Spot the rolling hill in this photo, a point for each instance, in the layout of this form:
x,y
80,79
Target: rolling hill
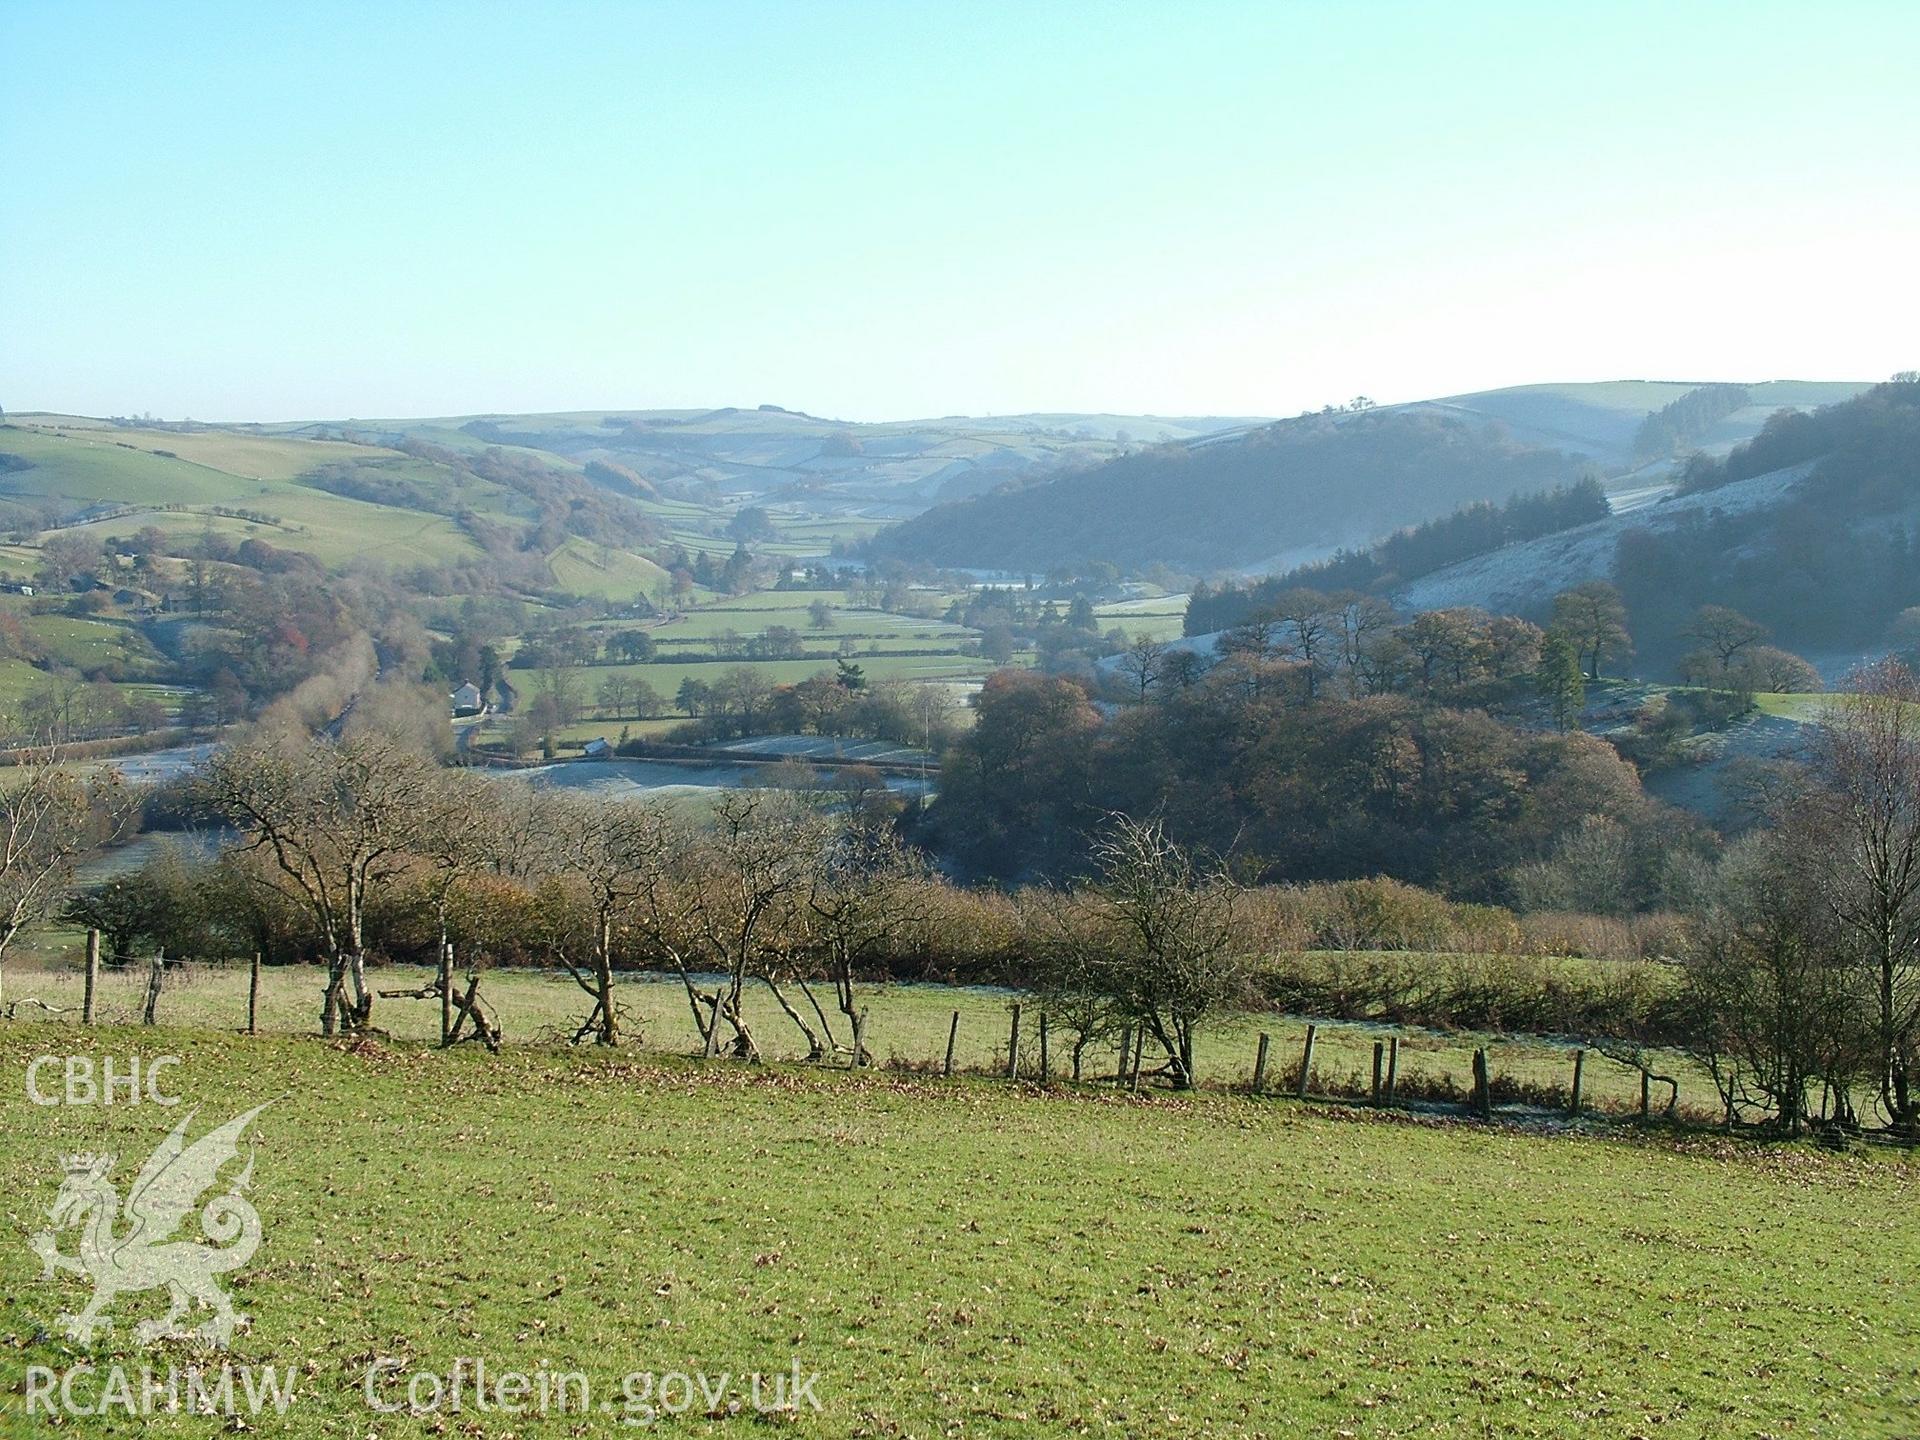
x,y
1601,420
1278,494
806,463
1807,528
590,497
1271,497
586,500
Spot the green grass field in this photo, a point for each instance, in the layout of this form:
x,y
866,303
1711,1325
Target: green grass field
x,y
665,675
92,643
750,614
1161,620
908,1027
1803,709
970,1257
588,569
245,455
91,465
18,679
332,528
112,466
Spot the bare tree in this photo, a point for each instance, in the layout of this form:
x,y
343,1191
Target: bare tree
x,y
1723,635
1593,618
615,696
863,895
1070,980
1363,620
615,851
1162,943
50,818
750,875
1140,662
454,837
1775,1005
338,817
1305,611
1861,830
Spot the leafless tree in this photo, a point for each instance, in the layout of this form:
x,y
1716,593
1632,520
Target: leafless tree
x,y
1861,829
1776,1007
1071,972
750,876
1593,618
1363,620
1140,662
50,818
337,817
1305,613
615,850
454,838
1163,946
1723,635
863,895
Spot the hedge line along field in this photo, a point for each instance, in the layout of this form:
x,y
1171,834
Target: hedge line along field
x,y
906,1029
973,1258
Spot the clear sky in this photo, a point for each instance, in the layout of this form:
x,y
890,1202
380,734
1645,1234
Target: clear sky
x,y
267,211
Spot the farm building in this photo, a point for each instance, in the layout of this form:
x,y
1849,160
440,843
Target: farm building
x,y
466,700
597,749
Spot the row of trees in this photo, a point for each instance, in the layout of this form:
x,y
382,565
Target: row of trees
x,y
1351,644
1800,976
774,892
344,837
362,849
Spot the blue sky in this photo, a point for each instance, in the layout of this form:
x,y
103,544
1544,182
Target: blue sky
x,y
259,211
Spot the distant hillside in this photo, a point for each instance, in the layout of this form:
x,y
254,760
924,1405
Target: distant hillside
x,y
1523,578
1808,528
589,503
1297,489
809,464
1393,565
1603,421
1293,493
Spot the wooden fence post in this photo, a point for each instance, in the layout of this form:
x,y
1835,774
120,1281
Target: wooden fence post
x,y
1126,1054
1646,1094
253,995
446,991
156,974
1046,1061
1482,1086
1393,1066
1379,1066
1139,1054
952,1030
1260,1063
1013,1047
1579,1070
93,976
711,1044
1306,1060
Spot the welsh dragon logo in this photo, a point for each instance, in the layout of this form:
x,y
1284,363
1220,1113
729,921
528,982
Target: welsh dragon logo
x,y
137,1250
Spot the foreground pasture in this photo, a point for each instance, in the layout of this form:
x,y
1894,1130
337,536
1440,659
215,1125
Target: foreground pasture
x,y
972,1258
